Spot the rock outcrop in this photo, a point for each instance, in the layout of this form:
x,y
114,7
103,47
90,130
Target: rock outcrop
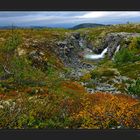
x,y
112,41
71,51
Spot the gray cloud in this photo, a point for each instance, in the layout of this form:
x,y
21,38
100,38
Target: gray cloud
x,y
55,18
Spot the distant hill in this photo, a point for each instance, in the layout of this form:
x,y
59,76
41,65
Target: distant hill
x,y
84,25
8,27
22,27
87,25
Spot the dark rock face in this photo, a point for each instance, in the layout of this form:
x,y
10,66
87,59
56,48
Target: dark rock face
x,y
70,50
112,40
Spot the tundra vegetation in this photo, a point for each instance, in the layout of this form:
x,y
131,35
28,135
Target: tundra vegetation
x,y
45,83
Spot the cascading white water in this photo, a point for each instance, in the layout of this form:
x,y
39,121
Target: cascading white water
x,y
117,49
96,56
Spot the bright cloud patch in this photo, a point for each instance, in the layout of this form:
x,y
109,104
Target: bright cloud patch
x,y
68,18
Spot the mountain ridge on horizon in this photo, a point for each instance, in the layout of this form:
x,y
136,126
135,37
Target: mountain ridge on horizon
x,y
71,26
88,25
78,26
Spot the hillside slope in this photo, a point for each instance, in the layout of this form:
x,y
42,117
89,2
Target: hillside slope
x,y
47,82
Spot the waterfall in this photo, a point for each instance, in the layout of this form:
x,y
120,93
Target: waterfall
x,y
96,56
117,49
103,52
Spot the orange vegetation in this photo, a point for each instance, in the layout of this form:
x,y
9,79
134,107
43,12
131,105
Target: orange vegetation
x,y
103,110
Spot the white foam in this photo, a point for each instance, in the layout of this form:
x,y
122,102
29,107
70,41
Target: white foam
x,y
117,49
96,56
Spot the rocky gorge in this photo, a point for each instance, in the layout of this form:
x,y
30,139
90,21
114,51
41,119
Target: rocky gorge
x,y
77,53
83,57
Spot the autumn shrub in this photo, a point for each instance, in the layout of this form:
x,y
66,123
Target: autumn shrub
x,y
100,111
92,111
72,89
51,111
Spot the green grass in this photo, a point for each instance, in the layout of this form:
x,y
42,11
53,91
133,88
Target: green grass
x,y
134,88
131,70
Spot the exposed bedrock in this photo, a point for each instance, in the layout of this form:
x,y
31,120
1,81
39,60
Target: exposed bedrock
x,y
112,41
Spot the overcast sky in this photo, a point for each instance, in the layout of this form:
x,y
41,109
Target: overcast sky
x,y
67,18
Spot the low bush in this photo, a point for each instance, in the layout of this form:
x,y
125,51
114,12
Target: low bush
x,y
11,43
135,43
90,111
103,72
86,77
24,73
123,56
134,88
100,111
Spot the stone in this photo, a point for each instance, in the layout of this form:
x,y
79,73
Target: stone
x,y
112,40
21,51
90,90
